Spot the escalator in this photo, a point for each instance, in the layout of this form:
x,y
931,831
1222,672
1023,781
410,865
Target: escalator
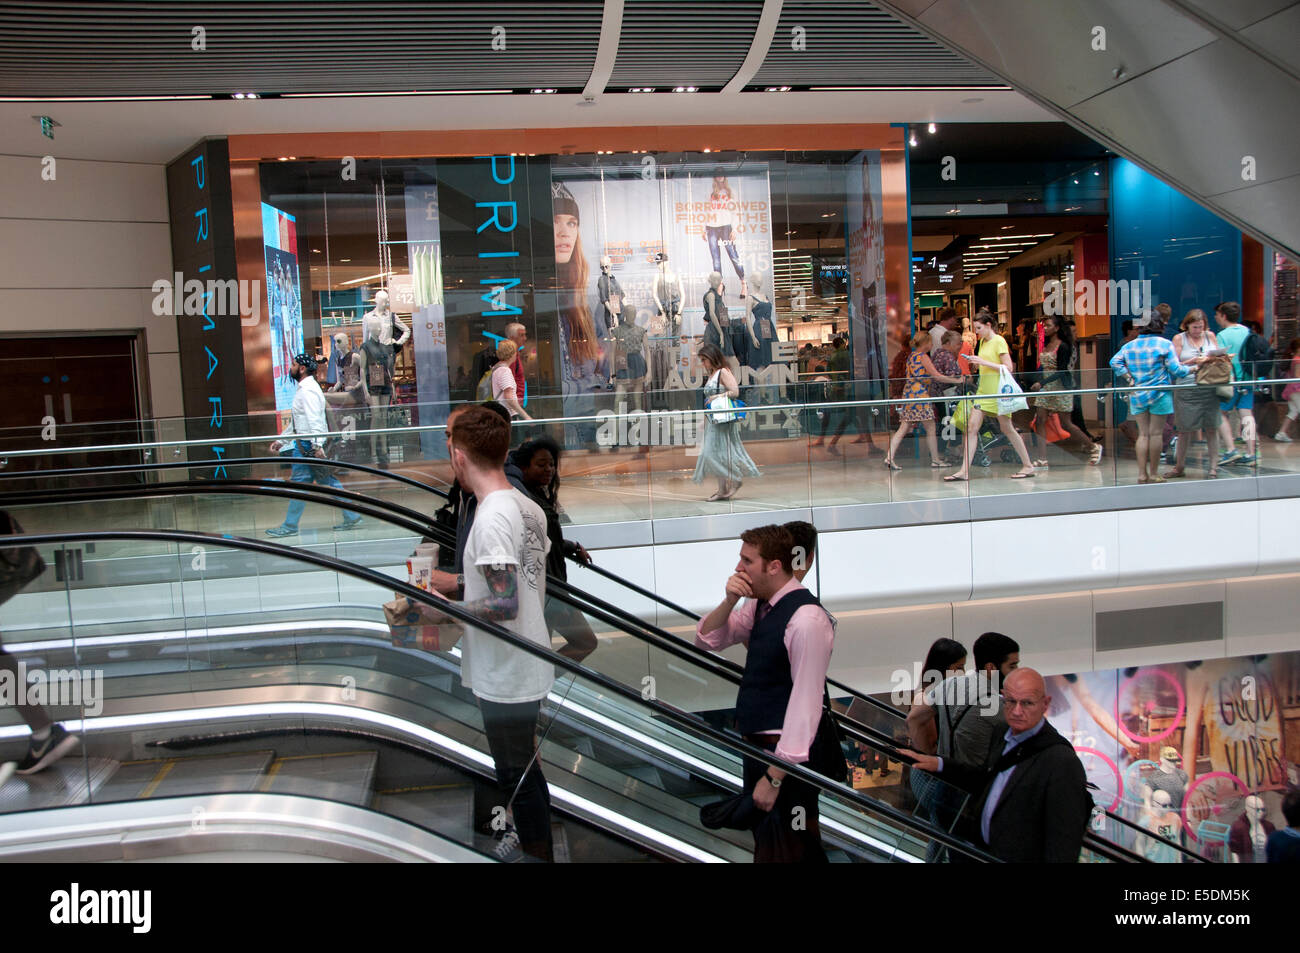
x,y
628,773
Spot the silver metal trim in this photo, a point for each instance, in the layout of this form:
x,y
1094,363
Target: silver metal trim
x,y
167,827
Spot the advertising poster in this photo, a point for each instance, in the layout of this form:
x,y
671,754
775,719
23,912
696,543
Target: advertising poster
x,y
873,347
284,299
1195,753
705,217
428,315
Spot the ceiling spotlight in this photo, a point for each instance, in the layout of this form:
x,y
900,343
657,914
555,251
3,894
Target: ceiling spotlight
x,y
912,141
239,95
707,149
540,90
686,89
932,129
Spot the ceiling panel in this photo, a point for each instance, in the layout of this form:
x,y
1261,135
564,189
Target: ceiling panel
x,y
1279,36
86,49
670,43
858,44
1237,14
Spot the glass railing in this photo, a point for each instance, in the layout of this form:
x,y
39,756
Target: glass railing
x,y
203,642
820,443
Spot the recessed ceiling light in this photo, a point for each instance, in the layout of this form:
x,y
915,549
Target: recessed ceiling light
x,y
912,140
932,129
344,260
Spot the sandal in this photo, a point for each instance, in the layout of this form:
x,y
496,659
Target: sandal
x,y
714,498
1022,475
955,478
1041,464
1094,457
1173,474
936,465
891,464
1157,479
1212,475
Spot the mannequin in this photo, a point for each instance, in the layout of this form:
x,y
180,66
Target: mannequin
x,y
629,350
1250,832
350,386
392,332
668,296
377,373
717,323
610,293
762,330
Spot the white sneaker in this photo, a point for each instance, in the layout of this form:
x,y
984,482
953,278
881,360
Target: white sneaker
x,y
1281,437
508,850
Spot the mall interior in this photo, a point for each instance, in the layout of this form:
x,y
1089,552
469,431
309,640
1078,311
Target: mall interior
x,y
969,269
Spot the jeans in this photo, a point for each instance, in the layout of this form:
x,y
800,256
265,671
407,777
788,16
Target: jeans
x,y
304,473
511,730
722,235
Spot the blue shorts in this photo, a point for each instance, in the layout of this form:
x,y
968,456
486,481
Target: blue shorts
x,y
1243,398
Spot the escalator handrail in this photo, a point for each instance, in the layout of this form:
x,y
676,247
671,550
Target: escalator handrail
x,y
1196,858
416,522
454,609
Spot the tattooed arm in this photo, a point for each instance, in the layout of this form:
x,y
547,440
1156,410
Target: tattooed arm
x,y
502,604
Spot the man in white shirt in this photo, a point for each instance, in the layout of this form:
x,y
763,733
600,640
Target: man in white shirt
x,y
308,427
505,583
947,322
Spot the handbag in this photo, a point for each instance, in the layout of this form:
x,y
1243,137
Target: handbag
x,y
961,416
1011,398
1217,374
1053,432
19,565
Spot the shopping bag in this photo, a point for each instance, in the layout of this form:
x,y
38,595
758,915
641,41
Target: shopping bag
x,y
1011,398
414,625
962,414
722,409
1053,432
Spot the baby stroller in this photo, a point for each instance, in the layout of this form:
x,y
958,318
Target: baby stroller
x,y
990,438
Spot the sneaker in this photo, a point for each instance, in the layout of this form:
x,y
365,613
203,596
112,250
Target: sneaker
x,y
508,850
1281,437
348,524
1230,457
42,754
1245,460
279,532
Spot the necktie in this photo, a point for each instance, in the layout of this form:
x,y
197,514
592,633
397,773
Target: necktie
x,y
761,611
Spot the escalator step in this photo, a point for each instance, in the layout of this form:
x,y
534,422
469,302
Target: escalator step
x,y
447,809
197,774
70,781
346,776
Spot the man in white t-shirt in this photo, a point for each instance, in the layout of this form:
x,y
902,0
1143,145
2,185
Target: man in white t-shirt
x,y
947,321
505,582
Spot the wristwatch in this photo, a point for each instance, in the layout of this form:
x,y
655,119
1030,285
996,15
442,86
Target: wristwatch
x,y
771,780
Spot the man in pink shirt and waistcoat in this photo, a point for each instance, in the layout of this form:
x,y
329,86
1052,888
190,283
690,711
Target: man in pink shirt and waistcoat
x,y
788,637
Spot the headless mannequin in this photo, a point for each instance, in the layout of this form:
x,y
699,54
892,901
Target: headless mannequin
x,y
718,324
762,330
376,372
630,358
668,296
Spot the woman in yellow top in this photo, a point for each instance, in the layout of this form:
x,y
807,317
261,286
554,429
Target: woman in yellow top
x,y
991,353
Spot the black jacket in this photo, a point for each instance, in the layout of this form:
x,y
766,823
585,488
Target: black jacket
x,y
1044,808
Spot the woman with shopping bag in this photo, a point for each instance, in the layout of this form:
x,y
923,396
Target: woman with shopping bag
x,y
722,455
1003,399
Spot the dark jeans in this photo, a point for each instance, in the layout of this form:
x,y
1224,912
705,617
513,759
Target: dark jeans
x,y
721,235
787,835
511,730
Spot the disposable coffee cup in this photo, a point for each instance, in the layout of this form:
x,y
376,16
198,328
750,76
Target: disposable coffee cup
x,y
428,549
419,572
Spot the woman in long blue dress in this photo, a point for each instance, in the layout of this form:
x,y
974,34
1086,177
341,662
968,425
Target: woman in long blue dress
x,y
722,455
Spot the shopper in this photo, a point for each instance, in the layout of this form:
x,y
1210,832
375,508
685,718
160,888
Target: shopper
x,y
1196,406
1232,338
20,566
947,363
1290,394
921,372
841,388
991,357
1034,804
308,428
722,455
1283,847
789,638
1054,369
505,390
946,323
539,462
1149,363
505,583
946,658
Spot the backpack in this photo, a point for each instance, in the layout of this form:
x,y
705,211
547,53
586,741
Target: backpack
x,y
484,390
1256,356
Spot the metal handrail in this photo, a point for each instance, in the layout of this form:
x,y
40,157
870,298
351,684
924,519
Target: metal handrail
x,y
456,611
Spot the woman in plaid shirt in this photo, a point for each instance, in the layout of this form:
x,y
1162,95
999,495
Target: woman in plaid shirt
x,y
1149,362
